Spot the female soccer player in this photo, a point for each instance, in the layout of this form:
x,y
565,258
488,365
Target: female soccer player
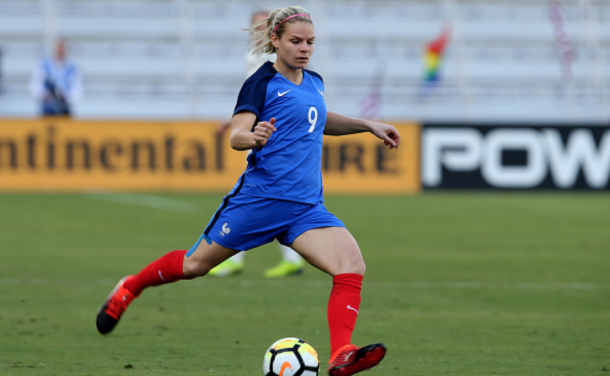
x,y
281,115
291,262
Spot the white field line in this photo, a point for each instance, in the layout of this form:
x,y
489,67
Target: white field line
x,y
326,285
143,200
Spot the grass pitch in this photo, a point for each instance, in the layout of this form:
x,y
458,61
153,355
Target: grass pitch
x,y
457,284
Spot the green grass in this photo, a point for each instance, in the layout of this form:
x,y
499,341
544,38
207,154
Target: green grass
x,y
457,284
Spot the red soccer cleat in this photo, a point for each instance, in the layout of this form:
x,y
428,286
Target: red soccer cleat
x,y
349,359
111,311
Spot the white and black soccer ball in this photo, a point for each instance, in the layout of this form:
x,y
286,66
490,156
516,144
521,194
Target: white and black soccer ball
x,y
291,357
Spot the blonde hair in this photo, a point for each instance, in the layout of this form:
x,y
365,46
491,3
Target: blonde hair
x,y
261,41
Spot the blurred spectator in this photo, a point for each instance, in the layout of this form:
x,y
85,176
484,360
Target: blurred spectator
x,y
253,61
56,83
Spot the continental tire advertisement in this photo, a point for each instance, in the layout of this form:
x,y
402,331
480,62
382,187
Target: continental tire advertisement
x,y
515,157
70,155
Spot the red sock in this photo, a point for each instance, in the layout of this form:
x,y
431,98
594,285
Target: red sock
x,y
167,269
343,307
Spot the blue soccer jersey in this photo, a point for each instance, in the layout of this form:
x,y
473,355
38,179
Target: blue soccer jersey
x,y
288,167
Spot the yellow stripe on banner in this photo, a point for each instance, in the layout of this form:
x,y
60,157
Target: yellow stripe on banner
x,y
75,155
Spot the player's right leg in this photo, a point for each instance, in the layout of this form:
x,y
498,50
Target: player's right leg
x,y
230,230
171,267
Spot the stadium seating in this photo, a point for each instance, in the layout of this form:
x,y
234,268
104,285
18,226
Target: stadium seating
x,y
184,58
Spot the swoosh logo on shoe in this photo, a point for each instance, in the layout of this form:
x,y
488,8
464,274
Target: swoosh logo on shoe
x,y
284,93
284,366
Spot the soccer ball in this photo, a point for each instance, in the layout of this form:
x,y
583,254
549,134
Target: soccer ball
x,y
291,357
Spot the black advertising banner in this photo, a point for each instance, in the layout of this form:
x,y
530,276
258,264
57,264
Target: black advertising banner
x,y
515,157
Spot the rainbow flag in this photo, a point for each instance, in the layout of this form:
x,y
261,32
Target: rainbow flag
x,y
434,55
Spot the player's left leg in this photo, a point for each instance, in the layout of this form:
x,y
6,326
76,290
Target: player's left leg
x,y
335,251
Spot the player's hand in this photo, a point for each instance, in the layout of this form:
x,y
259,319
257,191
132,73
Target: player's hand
x,y
387,133
264,130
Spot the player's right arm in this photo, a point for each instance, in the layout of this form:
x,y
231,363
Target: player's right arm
x,y
243,137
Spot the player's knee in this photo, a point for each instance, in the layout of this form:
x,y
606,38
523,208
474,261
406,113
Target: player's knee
x,y
195,268
359,267
354,265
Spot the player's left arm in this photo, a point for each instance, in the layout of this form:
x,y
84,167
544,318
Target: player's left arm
x,y
338,125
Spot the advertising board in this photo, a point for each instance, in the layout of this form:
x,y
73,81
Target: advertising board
x,y
76,155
